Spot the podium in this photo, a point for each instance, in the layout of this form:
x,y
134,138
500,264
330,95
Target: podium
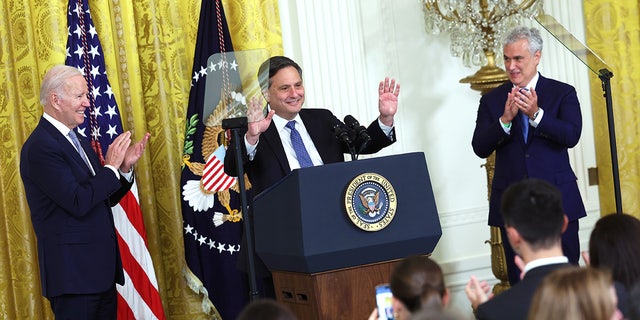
x,y
323,264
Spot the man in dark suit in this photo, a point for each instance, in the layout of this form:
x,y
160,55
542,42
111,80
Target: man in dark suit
x,y
534,222
268,150
530,122
70,195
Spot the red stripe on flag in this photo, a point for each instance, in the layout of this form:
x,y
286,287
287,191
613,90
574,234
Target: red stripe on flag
x,y
140,280
214,178
124,312
130,205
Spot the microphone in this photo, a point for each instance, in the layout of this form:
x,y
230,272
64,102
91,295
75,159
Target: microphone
x,y
359,131
341,132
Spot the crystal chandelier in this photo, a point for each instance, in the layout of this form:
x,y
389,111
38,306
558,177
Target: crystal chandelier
x,y
477,26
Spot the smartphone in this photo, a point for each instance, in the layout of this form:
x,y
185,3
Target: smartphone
x,y
383,301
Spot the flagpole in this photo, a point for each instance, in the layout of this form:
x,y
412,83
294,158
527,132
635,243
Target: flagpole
x,y
235,125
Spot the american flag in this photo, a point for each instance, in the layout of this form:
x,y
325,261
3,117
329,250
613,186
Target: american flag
x,y
139,298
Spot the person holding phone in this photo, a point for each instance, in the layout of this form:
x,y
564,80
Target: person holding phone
x,y
416,283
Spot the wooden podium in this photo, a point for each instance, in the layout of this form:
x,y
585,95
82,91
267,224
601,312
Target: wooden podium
x,y
323,265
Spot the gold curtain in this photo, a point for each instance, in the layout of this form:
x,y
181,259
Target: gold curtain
x,y
148,47
613,32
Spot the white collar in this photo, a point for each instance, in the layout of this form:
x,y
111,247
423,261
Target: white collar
x,y
544,261
59,125
280,122
533,82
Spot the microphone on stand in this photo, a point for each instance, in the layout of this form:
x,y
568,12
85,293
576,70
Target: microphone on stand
x,y
343,134
360,134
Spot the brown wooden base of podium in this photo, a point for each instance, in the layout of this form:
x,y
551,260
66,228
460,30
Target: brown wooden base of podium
x,y
337,294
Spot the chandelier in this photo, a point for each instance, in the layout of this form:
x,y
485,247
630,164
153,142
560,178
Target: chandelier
x,y
477,26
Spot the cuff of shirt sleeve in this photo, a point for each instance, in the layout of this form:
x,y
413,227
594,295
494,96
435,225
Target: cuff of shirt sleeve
x,y
536,122
251,148
386,129
505,126
127,175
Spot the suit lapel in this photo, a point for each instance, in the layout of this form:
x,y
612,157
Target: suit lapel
x,y
316,132
63,142
272,138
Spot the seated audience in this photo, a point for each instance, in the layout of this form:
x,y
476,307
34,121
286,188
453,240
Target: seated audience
x,y
265,309
417,283
575,294
614,245
534,222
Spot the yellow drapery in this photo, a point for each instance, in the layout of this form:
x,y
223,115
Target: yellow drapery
x,y
148,47
613,31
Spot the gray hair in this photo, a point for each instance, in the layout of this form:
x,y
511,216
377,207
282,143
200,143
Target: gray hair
x,y
55,79
532,35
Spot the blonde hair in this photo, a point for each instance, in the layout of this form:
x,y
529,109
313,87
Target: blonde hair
x,y
55,79
574,293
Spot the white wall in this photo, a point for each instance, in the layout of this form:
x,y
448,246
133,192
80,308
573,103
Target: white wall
x,y
346,47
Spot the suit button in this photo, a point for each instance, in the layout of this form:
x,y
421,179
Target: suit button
x,y
526,155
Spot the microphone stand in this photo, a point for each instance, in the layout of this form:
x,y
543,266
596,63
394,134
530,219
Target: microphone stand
x,y
235,125
605,76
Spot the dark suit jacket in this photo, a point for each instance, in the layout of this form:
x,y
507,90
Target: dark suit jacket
x,y
71,214
514,303
545,156
270,162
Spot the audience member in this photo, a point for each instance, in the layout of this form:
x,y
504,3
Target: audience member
x,y
575,293
417,283
534,222
266,309
614,245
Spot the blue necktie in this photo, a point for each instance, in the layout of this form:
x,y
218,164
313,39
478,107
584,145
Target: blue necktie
x,y
76,143
298,146
525,120
525,126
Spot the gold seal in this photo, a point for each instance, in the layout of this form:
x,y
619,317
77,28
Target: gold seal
x,y
370,202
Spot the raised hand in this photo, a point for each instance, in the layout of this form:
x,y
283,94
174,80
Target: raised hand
x,y
257,122
388,92
478,292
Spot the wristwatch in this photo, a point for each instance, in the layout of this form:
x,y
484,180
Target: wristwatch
x,y
535,115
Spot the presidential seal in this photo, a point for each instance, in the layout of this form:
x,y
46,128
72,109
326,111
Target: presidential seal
x,y
370,202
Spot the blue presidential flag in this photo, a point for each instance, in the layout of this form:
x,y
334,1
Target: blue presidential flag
x,y
212,221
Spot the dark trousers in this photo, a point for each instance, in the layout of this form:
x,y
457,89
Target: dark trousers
x,y
570,248
98,306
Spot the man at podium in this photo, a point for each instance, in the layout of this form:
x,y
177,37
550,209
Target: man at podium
x,y
290,137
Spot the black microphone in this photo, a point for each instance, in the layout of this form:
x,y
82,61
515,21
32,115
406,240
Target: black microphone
x,y
359,131
341,132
